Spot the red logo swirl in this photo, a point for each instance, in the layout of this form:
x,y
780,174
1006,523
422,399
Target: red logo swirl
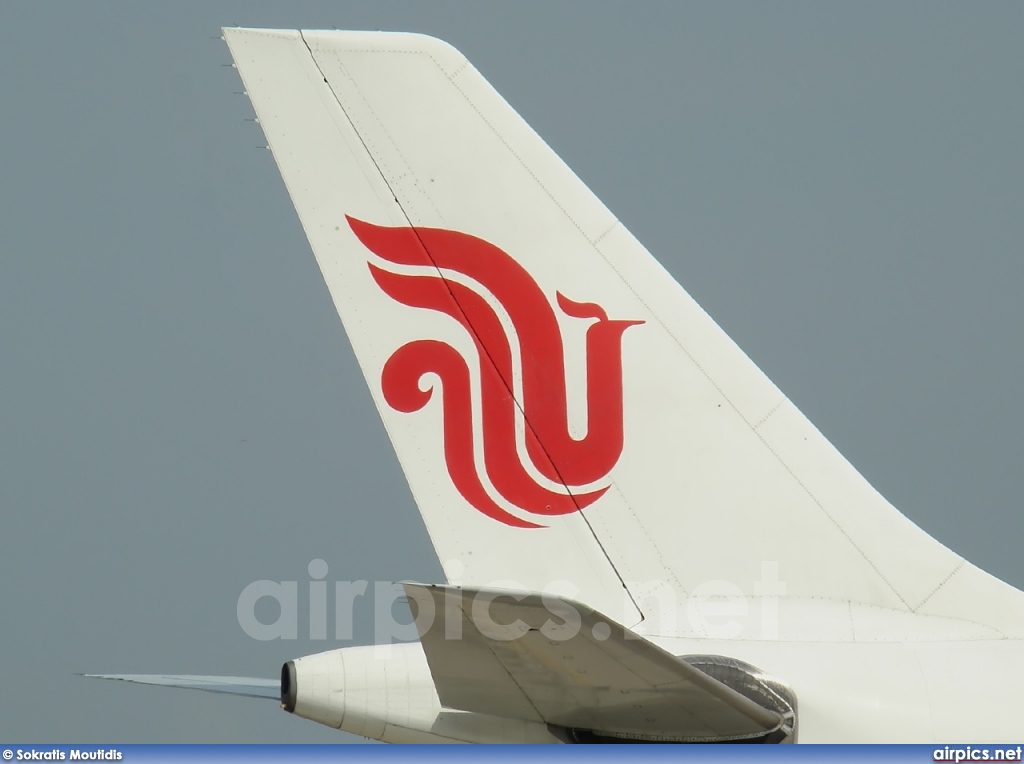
x,y
550,447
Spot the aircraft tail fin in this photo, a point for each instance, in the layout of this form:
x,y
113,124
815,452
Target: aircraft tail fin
x,y
568,418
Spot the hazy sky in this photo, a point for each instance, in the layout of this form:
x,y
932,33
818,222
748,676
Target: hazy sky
x,y
840,186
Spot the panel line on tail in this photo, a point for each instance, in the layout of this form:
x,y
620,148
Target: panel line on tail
x,y
360,134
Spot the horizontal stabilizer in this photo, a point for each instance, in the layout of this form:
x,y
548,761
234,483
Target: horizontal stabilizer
x,y
227,685
545,658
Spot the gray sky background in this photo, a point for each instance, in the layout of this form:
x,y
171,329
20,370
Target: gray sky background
x,y
840,186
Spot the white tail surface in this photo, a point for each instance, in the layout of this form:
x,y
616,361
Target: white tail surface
x,y
568,418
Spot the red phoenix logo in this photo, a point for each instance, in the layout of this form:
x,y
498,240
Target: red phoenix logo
x,y
553,451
